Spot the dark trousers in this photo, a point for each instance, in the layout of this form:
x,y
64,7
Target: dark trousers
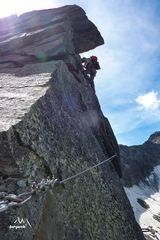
x,y
90,75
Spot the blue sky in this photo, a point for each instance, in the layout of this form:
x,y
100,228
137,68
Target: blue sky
x,y
128,83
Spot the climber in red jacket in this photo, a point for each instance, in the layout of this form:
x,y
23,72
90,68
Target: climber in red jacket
x,y
90,67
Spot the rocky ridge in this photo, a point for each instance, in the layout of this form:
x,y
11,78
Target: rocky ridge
x,y
139,161
52,125
141,180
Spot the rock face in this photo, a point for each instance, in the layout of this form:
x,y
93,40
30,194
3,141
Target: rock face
x,y
51,124
138,161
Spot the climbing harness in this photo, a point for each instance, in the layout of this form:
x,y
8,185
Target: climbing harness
x,y
10,200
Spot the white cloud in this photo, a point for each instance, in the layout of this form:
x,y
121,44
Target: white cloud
x,y
129,58
149,101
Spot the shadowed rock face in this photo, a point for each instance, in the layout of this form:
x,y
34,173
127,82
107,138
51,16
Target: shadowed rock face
x,y
46,34
138,161
51,124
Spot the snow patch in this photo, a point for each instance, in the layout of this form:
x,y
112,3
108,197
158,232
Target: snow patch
x,y
149,191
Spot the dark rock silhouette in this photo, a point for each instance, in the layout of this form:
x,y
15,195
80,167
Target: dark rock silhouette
x,y
138,161
51,124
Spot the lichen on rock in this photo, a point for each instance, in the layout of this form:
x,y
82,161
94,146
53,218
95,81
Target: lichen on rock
x,y
51,122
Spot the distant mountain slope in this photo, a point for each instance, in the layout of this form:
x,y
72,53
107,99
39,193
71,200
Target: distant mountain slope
x,y
138,161
141,178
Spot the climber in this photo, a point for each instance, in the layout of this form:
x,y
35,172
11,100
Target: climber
x,y
90,67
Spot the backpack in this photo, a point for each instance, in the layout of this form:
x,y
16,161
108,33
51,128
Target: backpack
x,y
96,65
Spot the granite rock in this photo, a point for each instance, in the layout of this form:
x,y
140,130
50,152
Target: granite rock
x,y
52,125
